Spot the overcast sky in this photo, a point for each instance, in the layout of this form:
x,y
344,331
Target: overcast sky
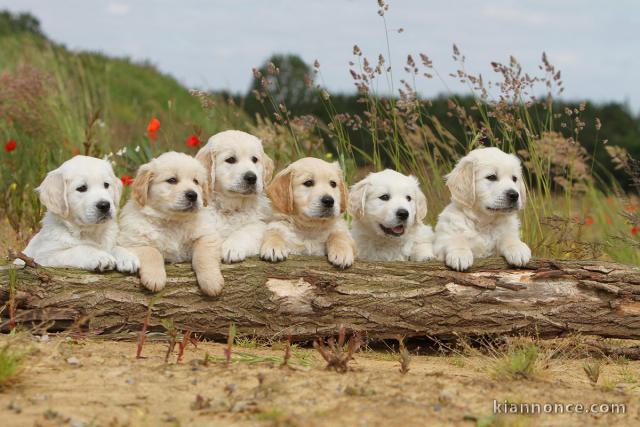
x,y
214,44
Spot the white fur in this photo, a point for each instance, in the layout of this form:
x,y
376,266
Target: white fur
x,y
480,221
74,232
161,220
239,211
371,213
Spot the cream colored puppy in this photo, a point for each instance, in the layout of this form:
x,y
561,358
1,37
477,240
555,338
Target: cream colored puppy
x,y
79,228
238,169
308,197
165,222
388,209
487,190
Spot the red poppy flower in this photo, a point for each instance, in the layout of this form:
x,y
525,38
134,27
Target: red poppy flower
x,y
152,135
10,146
634,230
588,221
193,141
154,125
75,151
609,220
126,180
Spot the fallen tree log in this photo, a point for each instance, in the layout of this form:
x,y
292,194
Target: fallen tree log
x,y
306,297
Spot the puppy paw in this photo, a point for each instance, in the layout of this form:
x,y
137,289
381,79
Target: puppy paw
x,y
459,259
232,252
274,253
153,279
211,283
100,261
341,256
422,253
126,262
517,254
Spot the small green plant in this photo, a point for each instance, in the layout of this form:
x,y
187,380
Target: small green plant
x,y
517,363
11,364
592,369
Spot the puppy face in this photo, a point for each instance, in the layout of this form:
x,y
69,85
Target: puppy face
x,y
388,203
488,180
173,183
310,188
237,164
83,190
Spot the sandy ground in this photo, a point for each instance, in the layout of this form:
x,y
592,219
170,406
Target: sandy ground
x,y
91,382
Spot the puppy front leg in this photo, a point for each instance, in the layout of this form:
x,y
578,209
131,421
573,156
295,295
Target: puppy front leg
x,y
243,243
274,246
458,254
206,264
126,261
82,256
423,247
153,276
514,250
340,249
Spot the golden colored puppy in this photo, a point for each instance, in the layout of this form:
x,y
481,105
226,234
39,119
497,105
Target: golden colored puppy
x,y
165,221
308,198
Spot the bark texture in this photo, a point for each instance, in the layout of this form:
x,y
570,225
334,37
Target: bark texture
x,y
306,298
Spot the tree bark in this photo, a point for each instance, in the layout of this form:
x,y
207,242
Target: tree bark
x,y
306,297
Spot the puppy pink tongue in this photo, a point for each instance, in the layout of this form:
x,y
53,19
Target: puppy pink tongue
x,y
398,229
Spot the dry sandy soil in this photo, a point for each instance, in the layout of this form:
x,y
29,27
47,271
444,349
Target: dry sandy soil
x,y
84,382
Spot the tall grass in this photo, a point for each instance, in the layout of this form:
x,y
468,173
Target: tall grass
x,y
55,104
575,208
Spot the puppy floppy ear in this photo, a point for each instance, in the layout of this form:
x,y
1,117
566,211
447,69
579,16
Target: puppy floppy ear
x,y
462,183
267,168
280,191
358,198
344,193
421,202
140,187
117,189
207,157
523,190
53,193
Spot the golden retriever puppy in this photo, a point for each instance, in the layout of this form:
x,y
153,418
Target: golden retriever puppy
x,y
165,222
388,210
79,228
487,190
238,169
308,197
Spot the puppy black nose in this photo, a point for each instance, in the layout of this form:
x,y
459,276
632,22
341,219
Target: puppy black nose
x,y
103,206
512,195
327,201
403,214
250,178
191,195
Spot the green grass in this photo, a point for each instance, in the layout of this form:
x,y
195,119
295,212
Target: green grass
x,y
11,364
518,362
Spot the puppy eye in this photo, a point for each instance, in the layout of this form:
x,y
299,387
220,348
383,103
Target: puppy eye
x,y
196,182
106,185
514,178
172,180
308,183
384,197
408,198
254,159
492,177
333,184
82,188
231,160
